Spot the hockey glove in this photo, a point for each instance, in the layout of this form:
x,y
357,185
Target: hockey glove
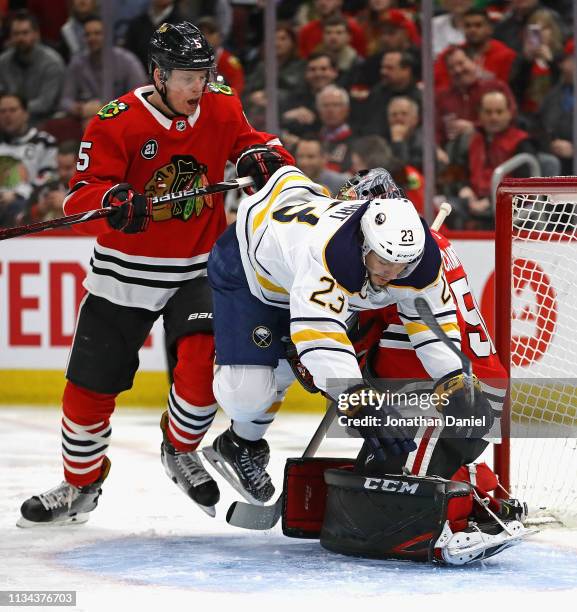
x,y
132,211
466,420
301,373
260,163
361,406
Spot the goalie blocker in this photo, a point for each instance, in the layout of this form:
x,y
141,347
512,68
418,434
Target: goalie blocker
x,y
397,516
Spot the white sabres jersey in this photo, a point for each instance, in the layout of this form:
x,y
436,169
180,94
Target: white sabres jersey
x,y
301,250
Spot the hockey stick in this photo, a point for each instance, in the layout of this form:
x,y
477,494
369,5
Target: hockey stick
x,y
444,211
427,316
163,204
251,516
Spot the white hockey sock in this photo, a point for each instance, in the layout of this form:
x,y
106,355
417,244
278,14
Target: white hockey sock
x,y
254,430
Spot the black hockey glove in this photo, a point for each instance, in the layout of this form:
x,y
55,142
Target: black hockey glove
x,y
361,407
132,212
466,419
301,373
260,163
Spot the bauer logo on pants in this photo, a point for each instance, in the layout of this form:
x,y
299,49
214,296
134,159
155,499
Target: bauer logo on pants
x,y
262,336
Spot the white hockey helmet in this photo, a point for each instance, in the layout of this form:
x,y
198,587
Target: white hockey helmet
x,y
392,229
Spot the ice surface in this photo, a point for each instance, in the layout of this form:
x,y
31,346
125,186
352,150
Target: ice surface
x,y
147,545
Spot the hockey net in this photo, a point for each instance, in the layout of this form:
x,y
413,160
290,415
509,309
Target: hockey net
x,y
536,337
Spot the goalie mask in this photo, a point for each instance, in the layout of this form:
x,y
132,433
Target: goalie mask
x,y
369,184
393,230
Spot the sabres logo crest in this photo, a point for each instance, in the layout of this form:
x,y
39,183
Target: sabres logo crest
x,y
112,110
262,336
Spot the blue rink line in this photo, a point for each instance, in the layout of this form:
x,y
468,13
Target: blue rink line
x,y
273,563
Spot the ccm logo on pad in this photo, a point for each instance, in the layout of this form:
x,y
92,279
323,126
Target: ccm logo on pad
x,y
394,486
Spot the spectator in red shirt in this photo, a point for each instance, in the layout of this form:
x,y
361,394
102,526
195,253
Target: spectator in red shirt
x,y
376,14
490,54
457,105
495,141
227,65
311,34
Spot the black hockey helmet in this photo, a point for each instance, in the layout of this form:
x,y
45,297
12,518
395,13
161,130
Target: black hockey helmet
x,y
179,47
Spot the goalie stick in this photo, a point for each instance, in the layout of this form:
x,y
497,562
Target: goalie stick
x,y
163,203
251,516
427,316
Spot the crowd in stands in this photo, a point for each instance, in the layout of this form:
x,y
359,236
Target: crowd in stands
x,y
350,90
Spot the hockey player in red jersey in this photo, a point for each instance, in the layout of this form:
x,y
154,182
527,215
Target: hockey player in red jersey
x,y
175,134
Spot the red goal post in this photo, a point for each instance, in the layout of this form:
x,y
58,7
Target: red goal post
x,y
536,338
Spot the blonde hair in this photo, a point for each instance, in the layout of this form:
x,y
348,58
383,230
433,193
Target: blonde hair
x,y
545,19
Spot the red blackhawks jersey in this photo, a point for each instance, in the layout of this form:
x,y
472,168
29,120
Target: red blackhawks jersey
x,y
395,357
130,141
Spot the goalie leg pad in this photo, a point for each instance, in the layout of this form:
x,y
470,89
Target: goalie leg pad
x,y
305,493
393,516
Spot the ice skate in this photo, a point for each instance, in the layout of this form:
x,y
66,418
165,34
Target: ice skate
x,y
65,504
188,473
479,541
242,464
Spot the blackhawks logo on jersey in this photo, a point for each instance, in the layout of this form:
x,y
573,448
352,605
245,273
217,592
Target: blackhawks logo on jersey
x,y
183,172
220,88
112,109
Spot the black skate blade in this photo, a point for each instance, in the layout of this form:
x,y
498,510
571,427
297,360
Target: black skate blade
x,y
249,516
228,474
78,519
210,510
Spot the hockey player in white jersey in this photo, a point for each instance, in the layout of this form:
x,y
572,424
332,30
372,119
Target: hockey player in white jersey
x,y
295,265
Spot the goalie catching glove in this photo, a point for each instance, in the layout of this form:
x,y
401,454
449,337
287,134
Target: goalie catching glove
x,y
132,210
260,163
469,419
364,414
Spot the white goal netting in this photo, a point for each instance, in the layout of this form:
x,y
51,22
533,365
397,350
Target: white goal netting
x,y
544,354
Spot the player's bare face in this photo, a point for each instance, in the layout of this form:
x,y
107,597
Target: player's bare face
x,y
380,271
185,89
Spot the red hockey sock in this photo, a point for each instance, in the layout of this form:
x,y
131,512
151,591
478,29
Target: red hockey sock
x,y
191,403
85,433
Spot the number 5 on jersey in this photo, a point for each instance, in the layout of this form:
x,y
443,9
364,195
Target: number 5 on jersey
x,y
83,157
336,305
